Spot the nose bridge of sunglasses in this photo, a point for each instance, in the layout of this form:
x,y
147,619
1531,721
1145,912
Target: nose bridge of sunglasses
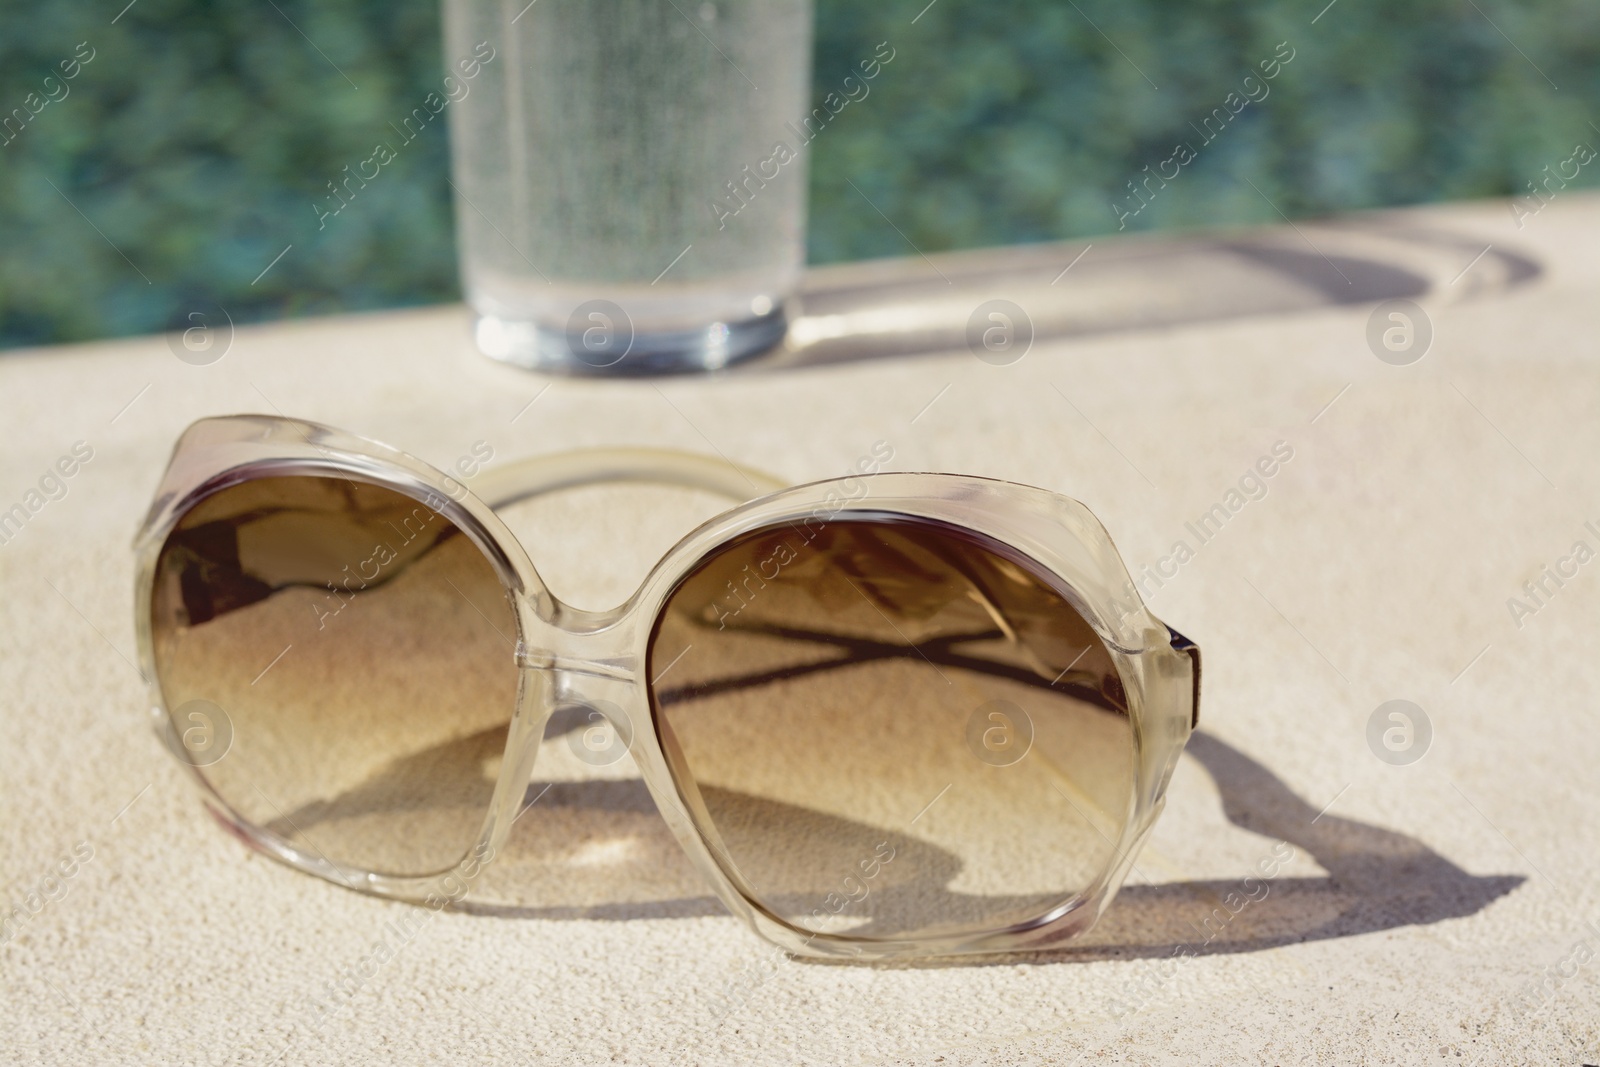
x,y
596,715
596,684
595,678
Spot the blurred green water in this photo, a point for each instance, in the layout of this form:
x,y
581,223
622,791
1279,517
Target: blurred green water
x,y
187,153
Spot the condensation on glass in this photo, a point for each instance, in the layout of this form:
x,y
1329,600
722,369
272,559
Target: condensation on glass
x,y
630,177
890,727
360,649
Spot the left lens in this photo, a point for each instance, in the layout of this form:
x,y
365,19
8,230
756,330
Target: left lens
x,y
887,727
339,662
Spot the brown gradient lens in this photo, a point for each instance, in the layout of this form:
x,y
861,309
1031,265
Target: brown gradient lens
x,y
360,649
888,727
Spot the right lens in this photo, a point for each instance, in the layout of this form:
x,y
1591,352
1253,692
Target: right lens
x,y
339,661
892,728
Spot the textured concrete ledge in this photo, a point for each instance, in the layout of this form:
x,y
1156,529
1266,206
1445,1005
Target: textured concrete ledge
x,y
1447,910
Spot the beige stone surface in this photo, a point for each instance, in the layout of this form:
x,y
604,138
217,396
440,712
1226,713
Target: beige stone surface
x,y
1415,913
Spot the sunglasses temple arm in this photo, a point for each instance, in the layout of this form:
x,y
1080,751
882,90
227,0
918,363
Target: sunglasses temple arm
x,y
523,479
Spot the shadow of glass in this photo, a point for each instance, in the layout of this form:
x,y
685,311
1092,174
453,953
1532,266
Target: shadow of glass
x,y
887,308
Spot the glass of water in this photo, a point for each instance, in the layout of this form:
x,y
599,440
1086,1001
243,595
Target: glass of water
x,y
629,176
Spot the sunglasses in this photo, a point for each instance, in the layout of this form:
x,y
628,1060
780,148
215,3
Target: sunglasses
x,y
885,715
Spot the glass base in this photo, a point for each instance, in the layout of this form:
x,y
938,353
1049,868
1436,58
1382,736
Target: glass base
x,y
606,347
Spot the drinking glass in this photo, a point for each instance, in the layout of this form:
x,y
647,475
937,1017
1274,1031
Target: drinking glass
x,y
629,177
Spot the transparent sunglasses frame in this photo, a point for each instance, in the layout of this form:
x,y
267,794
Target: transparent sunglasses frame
x,y
569,655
